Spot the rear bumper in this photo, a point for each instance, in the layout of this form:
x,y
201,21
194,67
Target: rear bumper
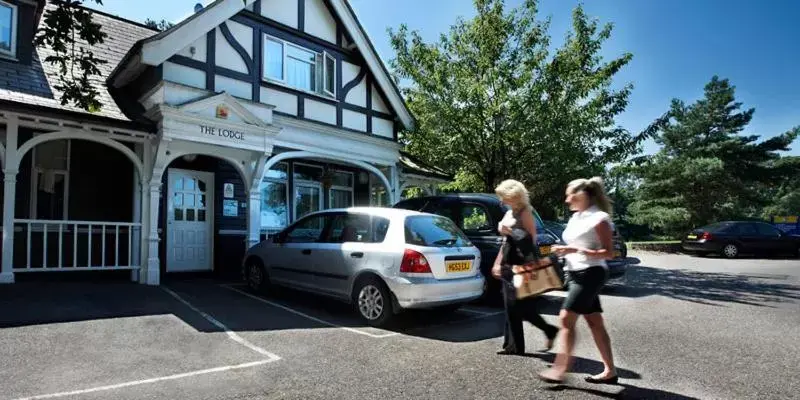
x,y
700,246
414,292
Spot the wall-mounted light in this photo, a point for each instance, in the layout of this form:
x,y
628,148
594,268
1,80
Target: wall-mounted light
x,y
363,178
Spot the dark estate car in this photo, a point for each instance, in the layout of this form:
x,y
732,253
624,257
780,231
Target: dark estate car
x,y
732,238
477,214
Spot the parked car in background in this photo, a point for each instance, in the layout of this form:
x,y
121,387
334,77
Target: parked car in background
x,y
733,238
556,227
381,260
617,267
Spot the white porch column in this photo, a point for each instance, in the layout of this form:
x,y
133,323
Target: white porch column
x,y
254,196
254,219
136,238
9,199
152,271
395,191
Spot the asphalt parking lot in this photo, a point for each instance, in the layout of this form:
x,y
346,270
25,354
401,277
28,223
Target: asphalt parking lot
x,y
681,327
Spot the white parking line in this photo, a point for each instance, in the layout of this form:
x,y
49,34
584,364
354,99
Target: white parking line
x,y
151,380
232,335
304,315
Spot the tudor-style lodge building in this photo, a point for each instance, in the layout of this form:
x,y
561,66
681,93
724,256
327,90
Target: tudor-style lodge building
x,y
212,135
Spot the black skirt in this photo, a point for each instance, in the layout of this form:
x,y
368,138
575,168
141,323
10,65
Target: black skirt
x,y
583,290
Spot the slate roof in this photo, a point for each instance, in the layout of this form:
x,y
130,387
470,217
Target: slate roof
x,y
35,84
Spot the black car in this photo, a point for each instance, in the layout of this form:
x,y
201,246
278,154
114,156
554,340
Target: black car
x,y
732,238
478,214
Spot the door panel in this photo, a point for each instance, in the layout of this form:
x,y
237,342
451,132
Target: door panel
x,y
296,254
344,251
189,220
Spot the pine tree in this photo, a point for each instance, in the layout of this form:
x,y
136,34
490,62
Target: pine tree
x,y
706,169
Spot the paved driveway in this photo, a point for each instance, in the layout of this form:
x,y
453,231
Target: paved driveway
x,y
682,328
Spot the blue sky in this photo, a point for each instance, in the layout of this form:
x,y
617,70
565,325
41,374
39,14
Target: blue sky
x,y
677,46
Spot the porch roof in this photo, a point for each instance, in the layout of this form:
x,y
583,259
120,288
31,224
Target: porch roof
x,y
33,86
411,165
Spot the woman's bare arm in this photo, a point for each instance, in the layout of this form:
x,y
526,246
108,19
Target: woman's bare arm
x,y
530,226
605,235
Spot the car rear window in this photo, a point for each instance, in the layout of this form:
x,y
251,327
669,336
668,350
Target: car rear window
x,y
434,231
718,227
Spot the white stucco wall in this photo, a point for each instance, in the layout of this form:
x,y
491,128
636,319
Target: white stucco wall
x,y
234,87
358,94
377,102
354,120
382,127
184,75
243,34
283,11
199,50
319,111
283,102
226,56
319,22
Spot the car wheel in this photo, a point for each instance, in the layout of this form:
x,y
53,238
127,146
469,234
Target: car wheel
x,y
257,279
730,250
373,301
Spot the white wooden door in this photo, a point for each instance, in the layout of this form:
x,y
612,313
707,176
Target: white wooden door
x,y
190,218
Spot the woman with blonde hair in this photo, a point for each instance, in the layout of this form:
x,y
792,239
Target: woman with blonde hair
x,y
589,244
519,247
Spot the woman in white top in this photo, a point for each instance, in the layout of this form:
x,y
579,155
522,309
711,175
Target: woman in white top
x,y
589,244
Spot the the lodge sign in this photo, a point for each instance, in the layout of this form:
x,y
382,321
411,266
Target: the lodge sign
x,y
226,133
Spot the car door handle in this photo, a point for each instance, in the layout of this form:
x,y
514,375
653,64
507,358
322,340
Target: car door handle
x,y
357,254
306,251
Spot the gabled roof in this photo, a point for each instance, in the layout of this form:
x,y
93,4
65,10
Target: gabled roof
x,y
157,49
33,86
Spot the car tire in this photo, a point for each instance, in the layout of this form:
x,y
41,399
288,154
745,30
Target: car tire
x,y
256,275
730,250
373,301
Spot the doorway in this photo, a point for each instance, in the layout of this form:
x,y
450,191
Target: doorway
x,y
190,218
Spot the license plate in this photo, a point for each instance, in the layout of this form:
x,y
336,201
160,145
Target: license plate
x,y
459,266
691,237
544,250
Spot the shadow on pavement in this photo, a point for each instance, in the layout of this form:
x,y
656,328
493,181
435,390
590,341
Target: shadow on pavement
x,y
40,303
627,392
585,366
709,288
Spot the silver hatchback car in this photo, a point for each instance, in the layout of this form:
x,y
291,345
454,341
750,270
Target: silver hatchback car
x,y
381,260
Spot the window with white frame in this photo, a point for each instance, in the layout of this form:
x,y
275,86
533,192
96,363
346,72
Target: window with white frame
x,y
8,29
297,67
275,198
50,180
341,190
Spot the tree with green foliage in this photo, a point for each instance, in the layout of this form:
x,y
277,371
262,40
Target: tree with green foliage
x,y
706,169
64,30
158,25
492,102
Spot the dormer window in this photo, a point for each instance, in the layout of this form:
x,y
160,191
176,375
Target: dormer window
x,y
8,29
299,68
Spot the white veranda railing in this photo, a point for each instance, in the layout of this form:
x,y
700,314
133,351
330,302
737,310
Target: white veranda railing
x,y
51,245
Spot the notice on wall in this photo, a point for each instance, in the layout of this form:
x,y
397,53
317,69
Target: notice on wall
x,y
227,190
230,208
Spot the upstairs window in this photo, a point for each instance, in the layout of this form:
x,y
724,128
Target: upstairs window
x,y
8,29
299,68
